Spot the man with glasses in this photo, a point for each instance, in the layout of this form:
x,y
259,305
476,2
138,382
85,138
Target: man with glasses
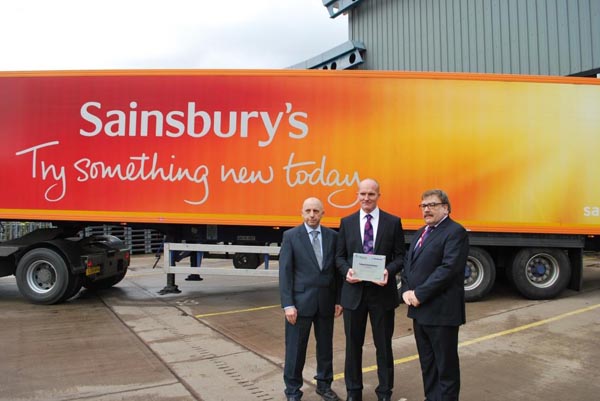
x,y
433,289
375,232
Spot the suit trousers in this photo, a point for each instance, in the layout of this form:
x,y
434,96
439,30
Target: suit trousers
x,y
296,341
382,325
438,354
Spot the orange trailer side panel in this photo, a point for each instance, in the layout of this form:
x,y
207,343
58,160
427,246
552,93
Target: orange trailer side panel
x,y
515,154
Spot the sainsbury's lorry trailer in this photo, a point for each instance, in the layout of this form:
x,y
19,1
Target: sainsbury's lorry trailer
x,y
229,156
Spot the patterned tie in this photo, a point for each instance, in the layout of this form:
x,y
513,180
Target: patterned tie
x,y
424,235
317,247
368,236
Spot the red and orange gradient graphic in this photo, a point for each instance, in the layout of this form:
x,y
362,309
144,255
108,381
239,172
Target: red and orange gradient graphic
x,y
515,154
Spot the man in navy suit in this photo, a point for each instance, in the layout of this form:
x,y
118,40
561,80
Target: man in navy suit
x,y
309,290
433,289
369,231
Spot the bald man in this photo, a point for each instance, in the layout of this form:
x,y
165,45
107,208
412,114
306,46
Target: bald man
x,y
369,231
309,290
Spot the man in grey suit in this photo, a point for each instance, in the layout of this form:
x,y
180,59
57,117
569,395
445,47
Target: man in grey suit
x,y
369,231
433,287
309,288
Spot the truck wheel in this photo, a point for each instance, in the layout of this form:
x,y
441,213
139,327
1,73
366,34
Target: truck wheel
x,y
42,276
246,260
480,274
541,273
105,283
75,284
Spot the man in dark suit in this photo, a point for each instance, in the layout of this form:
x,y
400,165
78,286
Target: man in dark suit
x,y
433,287
309,290
369,231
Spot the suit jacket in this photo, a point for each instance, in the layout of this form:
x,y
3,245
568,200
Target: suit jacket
x,y
301,282
389,242
435,271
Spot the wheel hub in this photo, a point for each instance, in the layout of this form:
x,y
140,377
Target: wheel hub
x,y
542,270
473,273
539,270
41,277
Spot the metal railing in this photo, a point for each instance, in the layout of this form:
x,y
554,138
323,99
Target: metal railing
x,y
15,229
140,241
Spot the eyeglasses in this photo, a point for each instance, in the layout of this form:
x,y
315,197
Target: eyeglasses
x,y
431,205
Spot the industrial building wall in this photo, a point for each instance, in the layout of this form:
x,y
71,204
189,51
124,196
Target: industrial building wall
x,y
548,37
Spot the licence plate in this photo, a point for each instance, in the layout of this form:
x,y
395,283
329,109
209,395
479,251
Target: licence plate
x,y
90,271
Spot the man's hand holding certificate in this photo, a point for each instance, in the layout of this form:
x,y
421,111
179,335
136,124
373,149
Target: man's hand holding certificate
x,y
368,267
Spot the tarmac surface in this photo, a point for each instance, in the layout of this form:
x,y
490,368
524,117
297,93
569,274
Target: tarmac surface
x,y
222,339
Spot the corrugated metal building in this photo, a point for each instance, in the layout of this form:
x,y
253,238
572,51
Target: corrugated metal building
x,y
547,37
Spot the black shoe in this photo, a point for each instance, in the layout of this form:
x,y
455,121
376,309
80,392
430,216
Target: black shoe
x,y
384,398
354,398
328,394
294,398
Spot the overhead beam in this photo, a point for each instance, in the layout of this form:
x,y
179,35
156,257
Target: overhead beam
x,y
337,7
347,55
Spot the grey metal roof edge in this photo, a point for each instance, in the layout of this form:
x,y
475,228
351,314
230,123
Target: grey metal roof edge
x,y
329,55
337,7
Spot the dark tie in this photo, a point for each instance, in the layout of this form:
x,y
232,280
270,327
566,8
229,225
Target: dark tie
x,y
317,247
424,235
368,236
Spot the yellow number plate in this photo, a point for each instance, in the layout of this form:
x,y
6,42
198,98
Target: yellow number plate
x,y
92,270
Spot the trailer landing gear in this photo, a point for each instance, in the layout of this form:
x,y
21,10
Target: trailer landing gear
x,y
171,287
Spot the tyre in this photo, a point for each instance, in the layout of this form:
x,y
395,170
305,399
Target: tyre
x,y
43,276
480,274
105,283
75,284
541,273
246,260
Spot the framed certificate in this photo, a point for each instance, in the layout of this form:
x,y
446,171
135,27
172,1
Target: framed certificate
x,y
368,267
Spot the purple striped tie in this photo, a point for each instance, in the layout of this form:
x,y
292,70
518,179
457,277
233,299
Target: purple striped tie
x,y
424,235
368,236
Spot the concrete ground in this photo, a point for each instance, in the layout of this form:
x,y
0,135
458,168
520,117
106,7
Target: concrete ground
x,y
222,339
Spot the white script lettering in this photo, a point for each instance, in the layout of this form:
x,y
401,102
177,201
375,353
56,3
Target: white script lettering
x,y
301,173
58,174
144,168
244,176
